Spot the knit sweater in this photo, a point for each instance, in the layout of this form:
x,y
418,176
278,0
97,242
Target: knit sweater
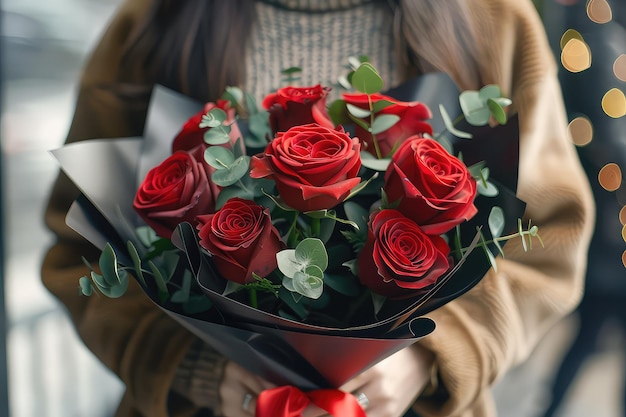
x,y
478,337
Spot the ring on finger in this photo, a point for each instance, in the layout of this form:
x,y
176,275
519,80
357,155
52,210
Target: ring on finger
x,y
247,399
362,399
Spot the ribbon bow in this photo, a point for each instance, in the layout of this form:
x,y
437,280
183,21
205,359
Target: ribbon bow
x,y
289,401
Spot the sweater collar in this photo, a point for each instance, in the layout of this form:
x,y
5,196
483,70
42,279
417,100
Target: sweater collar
x,y
316,5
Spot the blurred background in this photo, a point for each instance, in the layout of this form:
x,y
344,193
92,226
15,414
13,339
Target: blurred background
x,y
50,373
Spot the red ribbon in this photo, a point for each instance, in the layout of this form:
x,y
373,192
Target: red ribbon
x,y
289,401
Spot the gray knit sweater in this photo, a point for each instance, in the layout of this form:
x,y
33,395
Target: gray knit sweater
x,y
318,36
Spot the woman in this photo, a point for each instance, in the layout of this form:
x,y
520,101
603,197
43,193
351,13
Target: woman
x,y
200,46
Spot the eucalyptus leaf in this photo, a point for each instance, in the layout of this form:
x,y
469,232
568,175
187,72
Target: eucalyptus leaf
x,y
259,125
354,62
182,295
497,111
109,266
384,122
159,281
134,256
489,91
217,136
343,284
370,161
338,112
381,104
496,221
197,304
219,157
366,79
357,214
236,171
487,189
85,286
311,251
474,108
234,95
357,111
287,262
447,121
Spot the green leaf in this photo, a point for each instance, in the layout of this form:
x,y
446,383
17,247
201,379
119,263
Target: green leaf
x,y
182,296
384,122
370,161
366,79
234,95
217,136
237,170
109,266
496,221
287,263
354,62
378,301
474,108
251,104
338,112
380,105
450,126
357,111
489,91
291,70
486,188
357,214
312,252
160,282
308,283
219,157
259,125
197,304
497,110
214,118
343,284
85,286
134,256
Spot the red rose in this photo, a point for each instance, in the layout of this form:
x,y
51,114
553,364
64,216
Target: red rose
x,y
399,257
413,116
435,189
175,191
192,135
241,239
293,106
314,167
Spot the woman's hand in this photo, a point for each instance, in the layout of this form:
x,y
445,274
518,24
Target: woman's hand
x,y
392,385
239,391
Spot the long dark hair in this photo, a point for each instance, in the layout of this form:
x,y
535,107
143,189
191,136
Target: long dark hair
x,y
196,46
201,43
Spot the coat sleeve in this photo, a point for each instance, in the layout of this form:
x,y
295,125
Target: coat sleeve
x,y
496,325
130,335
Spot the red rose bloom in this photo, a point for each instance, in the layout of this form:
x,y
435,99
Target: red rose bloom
x,y
413,116
435,189
192,135
241,239
399,257
314,167
293,106
175,191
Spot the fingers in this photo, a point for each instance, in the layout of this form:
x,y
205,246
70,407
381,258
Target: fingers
x,y
239,390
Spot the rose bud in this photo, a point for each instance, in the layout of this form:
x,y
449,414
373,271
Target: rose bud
x,y
293,106
241,240
314,167
175,191
433,188
398,257
413,116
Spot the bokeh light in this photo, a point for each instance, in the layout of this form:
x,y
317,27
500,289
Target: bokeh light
x,y
622,216
619,67
599,11
581,130
624,258
614,103
576,55
610,177
569,35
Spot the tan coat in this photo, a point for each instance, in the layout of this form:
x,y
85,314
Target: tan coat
x,y
478,336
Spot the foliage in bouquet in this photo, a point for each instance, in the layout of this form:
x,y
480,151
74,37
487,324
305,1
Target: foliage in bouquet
x,y
318,213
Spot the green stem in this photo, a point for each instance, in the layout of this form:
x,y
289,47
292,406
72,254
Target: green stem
x,y
292,236
374,139
316,226
254,303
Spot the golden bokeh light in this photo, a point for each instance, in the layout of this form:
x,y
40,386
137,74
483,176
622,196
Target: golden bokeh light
x,y
576,55
569,35
610,177
581,131
622,216
624,233
614,103
599,11
619,67
624,258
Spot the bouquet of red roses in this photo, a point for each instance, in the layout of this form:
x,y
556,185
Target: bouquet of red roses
x,y
281,233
